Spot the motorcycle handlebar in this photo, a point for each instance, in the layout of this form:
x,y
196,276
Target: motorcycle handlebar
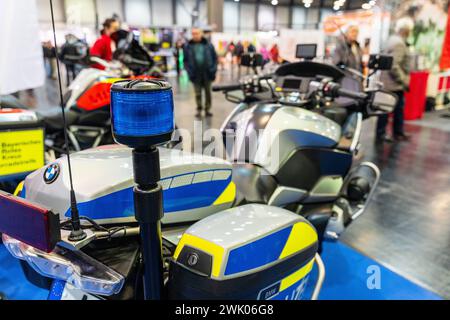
x,y
341,92
226,87
237,86
334,90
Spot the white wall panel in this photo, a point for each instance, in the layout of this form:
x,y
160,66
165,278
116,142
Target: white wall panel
x,y
184,10
247,17
43,7
312,17
298,17
137,13
230,16
162,13
282,17
107,8
266,17
80,12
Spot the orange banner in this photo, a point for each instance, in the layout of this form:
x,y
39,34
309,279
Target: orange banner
x,y
445,56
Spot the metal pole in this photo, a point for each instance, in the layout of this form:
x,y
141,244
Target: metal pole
x,y
148,213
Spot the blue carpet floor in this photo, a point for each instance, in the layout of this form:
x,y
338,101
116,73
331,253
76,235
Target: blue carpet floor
x,y
13,283
347,274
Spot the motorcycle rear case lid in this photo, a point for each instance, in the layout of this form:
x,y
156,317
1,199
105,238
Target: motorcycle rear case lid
x,y
194,186
12,119
248,252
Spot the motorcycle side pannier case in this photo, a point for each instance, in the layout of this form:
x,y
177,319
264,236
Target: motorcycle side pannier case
x,y
248,252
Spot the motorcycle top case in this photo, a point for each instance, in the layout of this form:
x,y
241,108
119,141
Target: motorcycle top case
x,y
194,186
249,252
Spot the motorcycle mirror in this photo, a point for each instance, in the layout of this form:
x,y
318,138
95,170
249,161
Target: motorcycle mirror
x,y
380,62
383,102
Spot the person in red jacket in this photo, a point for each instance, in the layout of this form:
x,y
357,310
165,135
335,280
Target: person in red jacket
x,y
103,46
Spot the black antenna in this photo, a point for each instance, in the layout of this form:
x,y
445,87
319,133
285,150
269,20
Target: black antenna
x,y
77,233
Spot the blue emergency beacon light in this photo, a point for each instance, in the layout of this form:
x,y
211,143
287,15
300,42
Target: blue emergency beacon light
x,y
142,118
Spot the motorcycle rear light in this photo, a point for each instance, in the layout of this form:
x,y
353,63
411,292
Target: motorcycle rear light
x,y
28,222
74,267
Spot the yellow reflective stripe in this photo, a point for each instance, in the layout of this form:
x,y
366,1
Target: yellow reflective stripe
x,y
296,276
18,188
216,251
227,195
301,237
111,80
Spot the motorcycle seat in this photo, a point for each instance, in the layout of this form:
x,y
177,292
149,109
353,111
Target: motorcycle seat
x,y
52,118
97,118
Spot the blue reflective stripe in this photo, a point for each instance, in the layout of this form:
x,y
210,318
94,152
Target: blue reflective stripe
x,y
56,290
258,253
23,192
120,204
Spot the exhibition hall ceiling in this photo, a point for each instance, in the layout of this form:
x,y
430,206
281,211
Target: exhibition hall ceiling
x,y
349,4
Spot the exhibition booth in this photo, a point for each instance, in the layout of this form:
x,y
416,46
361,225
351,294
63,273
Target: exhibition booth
x,y
120,181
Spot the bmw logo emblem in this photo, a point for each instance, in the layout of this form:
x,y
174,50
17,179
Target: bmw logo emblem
x,y
51,173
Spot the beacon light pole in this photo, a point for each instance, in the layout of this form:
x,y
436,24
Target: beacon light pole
x,y
142,118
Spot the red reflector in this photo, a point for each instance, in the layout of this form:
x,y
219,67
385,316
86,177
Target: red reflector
x,y
30,223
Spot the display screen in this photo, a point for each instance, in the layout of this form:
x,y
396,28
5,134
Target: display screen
x,y
306,51
292,84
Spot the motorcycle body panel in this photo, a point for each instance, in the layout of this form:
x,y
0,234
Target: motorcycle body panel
x,y
269,249
280,130
194,186
295,157
83,80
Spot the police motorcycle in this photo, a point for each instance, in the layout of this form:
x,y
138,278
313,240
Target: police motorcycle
x,y
94,242
307,121
211,246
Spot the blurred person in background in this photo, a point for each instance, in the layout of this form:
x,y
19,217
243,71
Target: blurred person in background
x,y
200,62
238,52
249,47
73,54
221,54
50,58
396,79
178,50
104,46
348,52
275,53
265,54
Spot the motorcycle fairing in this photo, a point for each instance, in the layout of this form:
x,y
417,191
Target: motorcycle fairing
x,y
280,131
97,96
84,79
194,186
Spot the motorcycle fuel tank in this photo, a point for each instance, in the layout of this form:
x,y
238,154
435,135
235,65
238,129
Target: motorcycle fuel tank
x,y
278,130
194,186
